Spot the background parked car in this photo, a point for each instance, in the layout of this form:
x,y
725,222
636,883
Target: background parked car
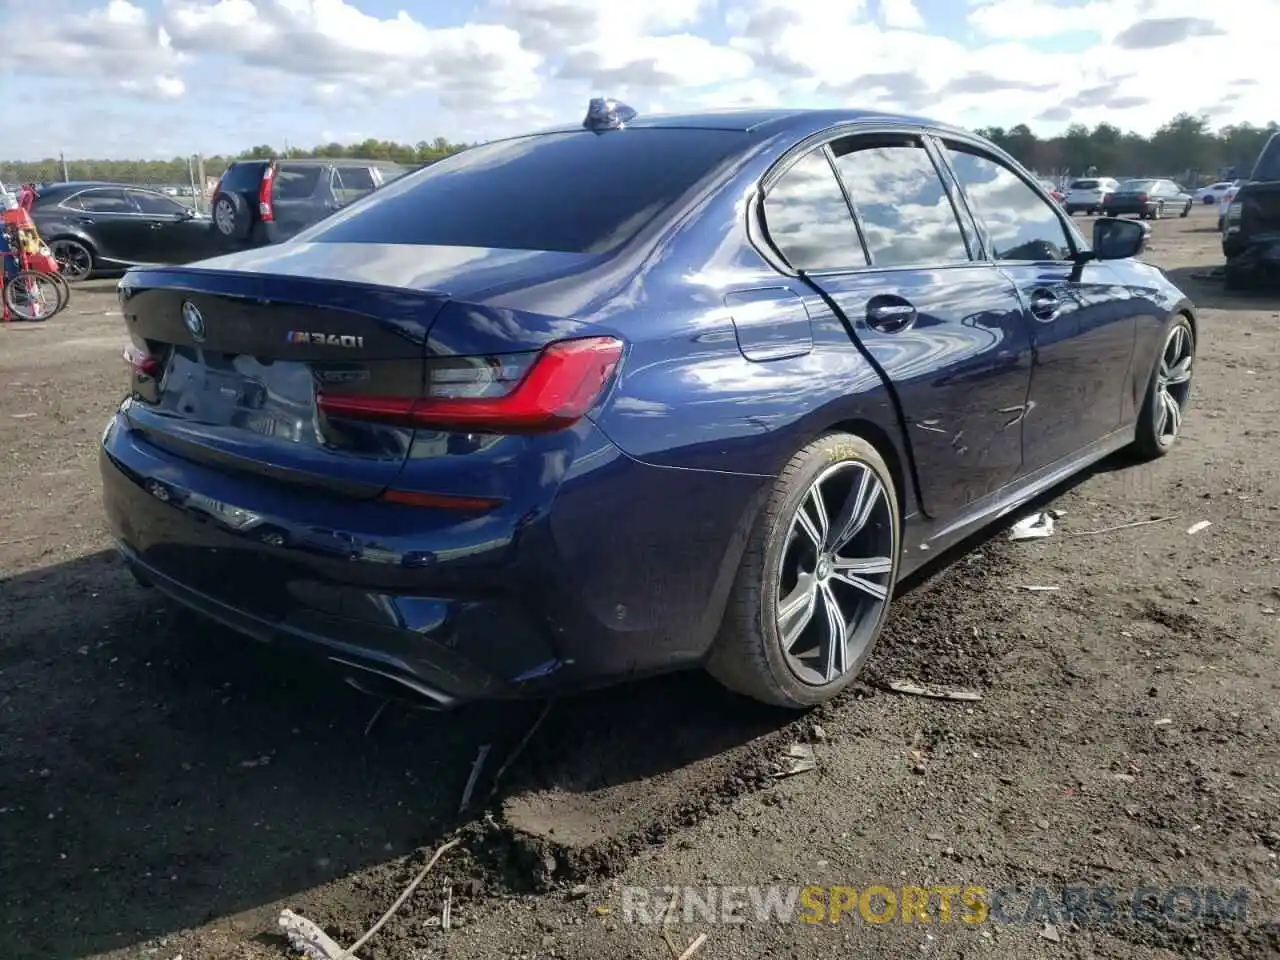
x,y
93,227
1149,199
1214,192
1086,196
265,201
1251,234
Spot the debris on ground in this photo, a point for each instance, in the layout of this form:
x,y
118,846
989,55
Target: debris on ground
x,y
476,766
1164,722
799,759
1050,932
912,689
1034,527
1198,526
1121,526
524,742
694,947
1035,588
306,937
377,715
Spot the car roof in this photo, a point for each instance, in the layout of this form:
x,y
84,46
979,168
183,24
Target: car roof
x,y
322,161
798,122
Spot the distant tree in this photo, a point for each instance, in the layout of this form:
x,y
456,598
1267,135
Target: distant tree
x,y
1186,142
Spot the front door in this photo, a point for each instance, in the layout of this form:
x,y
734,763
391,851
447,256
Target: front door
x,y
173,234
1082,320
948,333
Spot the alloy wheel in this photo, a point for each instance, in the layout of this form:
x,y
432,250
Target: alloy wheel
x,y
1173,384
224,217
75,262
835,576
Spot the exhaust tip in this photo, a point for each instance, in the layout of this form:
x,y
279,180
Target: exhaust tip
x,y
389,686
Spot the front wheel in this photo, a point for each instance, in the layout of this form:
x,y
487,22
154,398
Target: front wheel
x,y
30,295
1168,394
813,589
1186,211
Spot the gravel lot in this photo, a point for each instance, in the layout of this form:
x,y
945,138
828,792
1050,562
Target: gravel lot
x,y
165,787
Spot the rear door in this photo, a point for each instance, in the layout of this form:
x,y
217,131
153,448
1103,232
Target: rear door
x,y
946,331
1082,319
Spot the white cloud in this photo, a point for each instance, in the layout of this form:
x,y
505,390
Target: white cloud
x,y
520,63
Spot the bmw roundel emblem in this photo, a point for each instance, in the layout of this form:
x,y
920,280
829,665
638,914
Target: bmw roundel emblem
x,y
193,320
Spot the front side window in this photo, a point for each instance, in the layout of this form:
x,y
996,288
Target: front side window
x,y
808,219
1021,224
906,216
155,204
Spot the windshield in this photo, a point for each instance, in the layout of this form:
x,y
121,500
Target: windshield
x,y
1085,185
1268,165
565,192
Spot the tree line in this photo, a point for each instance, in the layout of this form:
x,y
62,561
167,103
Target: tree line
x,y
1186,146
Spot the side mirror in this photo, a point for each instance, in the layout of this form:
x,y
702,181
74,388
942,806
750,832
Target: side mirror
x,y
1117,239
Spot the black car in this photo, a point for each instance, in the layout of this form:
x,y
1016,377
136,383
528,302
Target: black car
x,y
1150,199
94,227
265,201
1251,226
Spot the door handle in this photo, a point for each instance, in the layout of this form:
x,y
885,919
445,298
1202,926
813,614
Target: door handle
x,y
1044,305
890,317
156,224
85,219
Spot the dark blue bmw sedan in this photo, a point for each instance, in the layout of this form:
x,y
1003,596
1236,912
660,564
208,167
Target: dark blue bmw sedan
x,y
640,395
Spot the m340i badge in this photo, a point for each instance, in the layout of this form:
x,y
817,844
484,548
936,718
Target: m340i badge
x,y
326,339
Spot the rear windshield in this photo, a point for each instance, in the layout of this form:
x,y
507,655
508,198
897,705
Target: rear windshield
x,y
1085,185
243,176
1268,165
295,183
567,192
1137,186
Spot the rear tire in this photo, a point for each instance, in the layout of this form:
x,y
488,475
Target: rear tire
x,y
1168,392
1186,211
75,258
232,219
795,659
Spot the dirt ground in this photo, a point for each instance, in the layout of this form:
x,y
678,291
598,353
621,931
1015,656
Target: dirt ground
x,y
166,788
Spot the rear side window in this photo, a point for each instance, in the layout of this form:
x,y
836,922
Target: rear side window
x,y
906,216
102,201
808,219
1268,165
567,192
295,183
242,177
354,178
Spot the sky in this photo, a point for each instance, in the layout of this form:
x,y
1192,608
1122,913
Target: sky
x,y
164,78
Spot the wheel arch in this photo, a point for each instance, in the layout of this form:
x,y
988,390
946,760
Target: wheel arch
x,y
81,239
894,458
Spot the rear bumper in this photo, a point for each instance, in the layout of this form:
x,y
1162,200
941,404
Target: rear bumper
x,y
586,590
1257,251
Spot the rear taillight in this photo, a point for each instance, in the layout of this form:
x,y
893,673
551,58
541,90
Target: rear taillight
x,y
266,210
142,363
1142,198
508,394
1106,197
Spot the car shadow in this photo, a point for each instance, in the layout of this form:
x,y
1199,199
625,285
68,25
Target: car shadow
x,y
1204,285
161,772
